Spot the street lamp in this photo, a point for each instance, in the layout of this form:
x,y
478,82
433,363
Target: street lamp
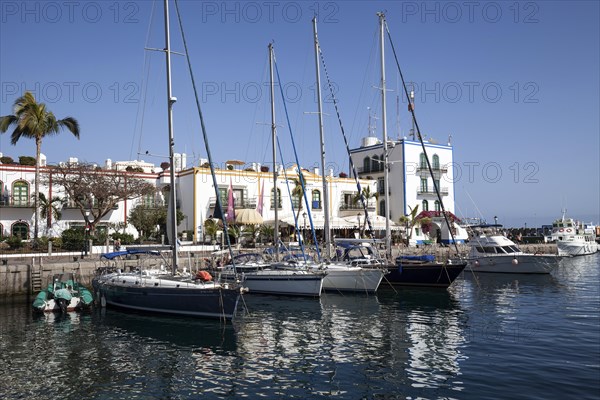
x,y
86,216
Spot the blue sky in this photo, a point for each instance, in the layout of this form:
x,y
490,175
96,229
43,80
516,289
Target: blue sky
x,y
516,84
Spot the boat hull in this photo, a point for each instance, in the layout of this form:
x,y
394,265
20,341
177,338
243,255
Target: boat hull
x,y
167,296
352,279
281,283
509,264
430,274
576,248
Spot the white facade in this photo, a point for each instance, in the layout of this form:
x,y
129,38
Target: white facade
x,y
195,197
411,183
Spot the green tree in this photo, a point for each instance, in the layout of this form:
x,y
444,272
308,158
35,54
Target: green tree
x,y
50,208
32,120
409,221
145,219
367,194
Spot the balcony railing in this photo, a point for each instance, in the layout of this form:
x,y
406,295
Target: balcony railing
x,y
18,203
422,169
431,190
244,203
356,206
370,169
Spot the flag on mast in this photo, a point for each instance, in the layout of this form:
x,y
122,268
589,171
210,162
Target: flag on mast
x,y
259,204
230,204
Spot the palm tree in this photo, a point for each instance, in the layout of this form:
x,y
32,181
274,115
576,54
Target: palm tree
x,y
32,120
409,221
368,195
298,193
50,208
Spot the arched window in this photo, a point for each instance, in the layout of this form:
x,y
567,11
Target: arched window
x,y
436,161
438,206
316,199
422,161
20,194
2,195
425,205
20,229
1,231
382,208
273,199
367,164
375,165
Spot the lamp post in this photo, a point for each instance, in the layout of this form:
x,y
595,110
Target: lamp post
x,y
304,215
86,216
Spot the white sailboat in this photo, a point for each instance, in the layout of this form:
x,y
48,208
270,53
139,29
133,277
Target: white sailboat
x,y
168,293
341,276
278,278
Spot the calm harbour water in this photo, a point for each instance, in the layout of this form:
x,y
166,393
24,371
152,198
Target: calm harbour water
x,y
494,337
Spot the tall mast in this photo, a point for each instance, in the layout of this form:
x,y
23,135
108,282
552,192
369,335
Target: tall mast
x,y
326,228
170,101
388,236
274,139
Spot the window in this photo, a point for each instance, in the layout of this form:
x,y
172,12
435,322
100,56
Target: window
x,y
424,185
382,208
296,201
20,229
436,162
422,161
316,199
425,205
438,206
1,231
380,186
273,199
366,165
20,193
2,203
375,165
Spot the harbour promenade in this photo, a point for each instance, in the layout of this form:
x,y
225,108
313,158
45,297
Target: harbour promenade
x,y
26,274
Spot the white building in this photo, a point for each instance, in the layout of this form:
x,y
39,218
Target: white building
x,y
411,183
195,197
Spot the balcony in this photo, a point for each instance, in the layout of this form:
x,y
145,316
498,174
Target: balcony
x,y
370,169
431,191
422,170
17,203
356,206
244,203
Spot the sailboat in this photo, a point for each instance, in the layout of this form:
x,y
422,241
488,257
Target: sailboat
x,y
341,276
169,292
410,272
277,278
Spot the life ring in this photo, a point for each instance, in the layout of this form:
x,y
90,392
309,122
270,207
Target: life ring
x,y
203,276
562,230
569,230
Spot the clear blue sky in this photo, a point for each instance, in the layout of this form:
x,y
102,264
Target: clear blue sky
x,y
516,84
